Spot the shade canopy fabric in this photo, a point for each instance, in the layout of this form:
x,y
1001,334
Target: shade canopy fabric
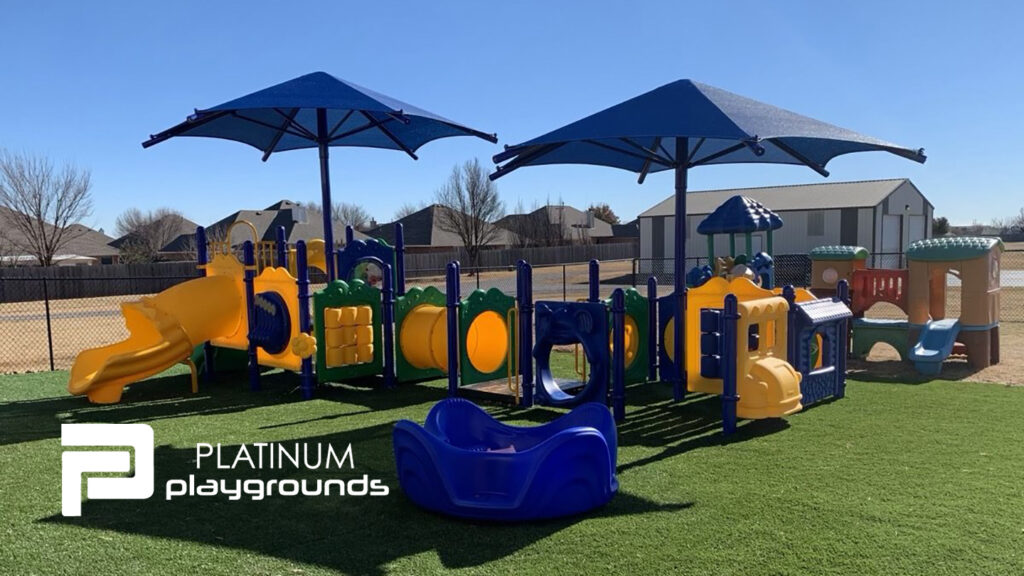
x,y
284,117
319,110
720,127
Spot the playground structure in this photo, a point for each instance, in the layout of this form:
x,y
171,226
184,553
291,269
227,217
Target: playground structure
x,y
738,215
488,343
235,305
927,337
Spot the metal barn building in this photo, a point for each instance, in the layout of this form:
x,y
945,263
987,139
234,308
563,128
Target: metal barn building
x,y
883,216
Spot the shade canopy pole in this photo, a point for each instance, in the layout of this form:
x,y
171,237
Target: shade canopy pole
x,y
679,378
322,138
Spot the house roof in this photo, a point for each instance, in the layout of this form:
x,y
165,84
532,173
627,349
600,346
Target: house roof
x,y
88,242
80,239
183,231
571,219
825,195
299,223
630,229
424,228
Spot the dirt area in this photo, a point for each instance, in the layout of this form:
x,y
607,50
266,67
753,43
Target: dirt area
x,y
77,324
884,363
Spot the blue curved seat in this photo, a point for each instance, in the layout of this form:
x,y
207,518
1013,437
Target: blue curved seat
x,y
465,463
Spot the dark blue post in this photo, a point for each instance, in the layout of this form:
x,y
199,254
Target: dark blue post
x,y
791,343
249,259
350,235
323,141
308,385
729,353
682,154
842,339
595,281
201,259
388,294
524,293
652,329
619,354
400,259
282,248
452,290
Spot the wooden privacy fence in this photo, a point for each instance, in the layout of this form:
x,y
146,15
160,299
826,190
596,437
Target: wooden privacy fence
x,y
427,264
65,282
61,283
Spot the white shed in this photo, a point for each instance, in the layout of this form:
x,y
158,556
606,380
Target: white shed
x,y
883,216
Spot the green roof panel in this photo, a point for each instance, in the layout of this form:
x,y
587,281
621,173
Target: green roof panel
x,y
839,253
952,248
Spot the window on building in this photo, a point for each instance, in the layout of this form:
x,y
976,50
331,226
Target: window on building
x,y
816,223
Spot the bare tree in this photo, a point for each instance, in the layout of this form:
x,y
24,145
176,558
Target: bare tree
x,y
603,211
542,226
146,233
344,213
519,224
1015,223
472,206
8,252
42,203
409,208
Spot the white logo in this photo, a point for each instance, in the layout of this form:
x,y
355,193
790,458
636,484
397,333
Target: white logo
x,y
76,463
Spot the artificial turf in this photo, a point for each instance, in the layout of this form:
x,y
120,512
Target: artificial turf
x,y
893,479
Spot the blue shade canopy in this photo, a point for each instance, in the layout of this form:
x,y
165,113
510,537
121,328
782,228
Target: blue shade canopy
x,y
284,117
319,111
739,215
682,125
721,128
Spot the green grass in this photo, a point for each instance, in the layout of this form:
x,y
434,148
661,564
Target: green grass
x,y
894,479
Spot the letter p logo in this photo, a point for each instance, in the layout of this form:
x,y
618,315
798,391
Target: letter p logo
x,y
76,463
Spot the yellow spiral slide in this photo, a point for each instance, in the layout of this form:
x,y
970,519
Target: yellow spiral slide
x,y
163,330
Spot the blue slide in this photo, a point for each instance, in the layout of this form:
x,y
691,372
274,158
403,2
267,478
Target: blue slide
x,y
934,345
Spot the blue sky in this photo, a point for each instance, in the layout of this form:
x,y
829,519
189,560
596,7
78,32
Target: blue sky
x,y
87,82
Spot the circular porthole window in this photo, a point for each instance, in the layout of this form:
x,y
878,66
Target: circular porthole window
x,y
830,276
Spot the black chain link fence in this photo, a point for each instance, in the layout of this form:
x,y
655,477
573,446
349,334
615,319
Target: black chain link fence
x,y
48,322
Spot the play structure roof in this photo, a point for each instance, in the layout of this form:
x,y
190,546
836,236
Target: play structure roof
x,y
818,312
839,253
952,248
740,214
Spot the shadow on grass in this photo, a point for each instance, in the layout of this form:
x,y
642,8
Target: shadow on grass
x,y
654,419
349,533
169,396
679,427
904,372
